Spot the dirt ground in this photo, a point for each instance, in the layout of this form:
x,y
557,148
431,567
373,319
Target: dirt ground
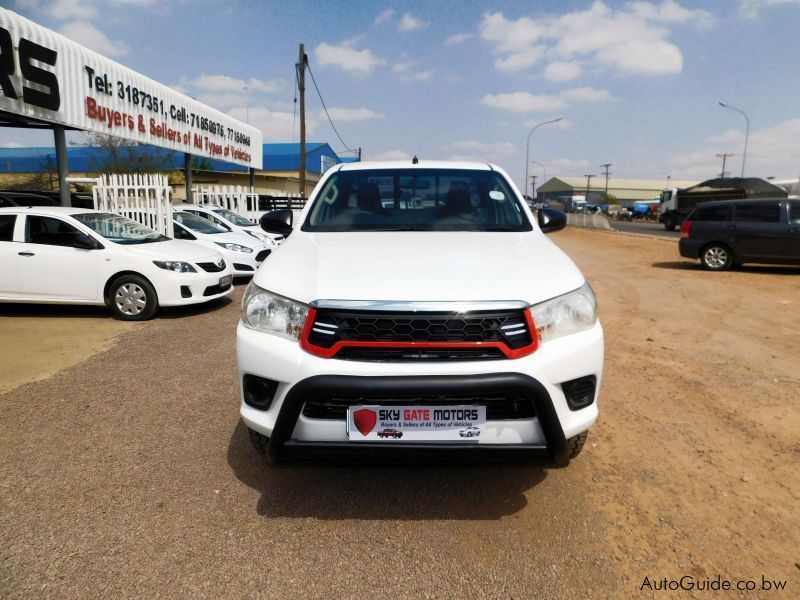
x,y
129,474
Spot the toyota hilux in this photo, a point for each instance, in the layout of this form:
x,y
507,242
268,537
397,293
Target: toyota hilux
x,y
420,297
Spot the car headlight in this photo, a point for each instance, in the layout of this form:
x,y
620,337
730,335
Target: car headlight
x,y
271,313
234,247
567,314
263,237
175,265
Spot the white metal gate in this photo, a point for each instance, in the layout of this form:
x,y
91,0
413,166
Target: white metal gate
x,y
146,198
233,197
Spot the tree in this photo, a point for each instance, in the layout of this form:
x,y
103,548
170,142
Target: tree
x,y
118,155
607,198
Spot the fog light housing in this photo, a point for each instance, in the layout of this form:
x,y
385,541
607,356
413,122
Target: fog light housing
x,y
258,392
186,292
580,392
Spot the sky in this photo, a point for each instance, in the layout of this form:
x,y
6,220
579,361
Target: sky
x,y
636,83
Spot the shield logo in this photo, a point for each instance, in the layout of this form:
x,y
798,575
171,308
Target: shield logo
x,y
365,420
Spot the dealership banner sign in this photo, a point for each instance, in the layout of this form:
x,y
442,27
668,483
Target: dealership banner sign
x,y
45,76
367,423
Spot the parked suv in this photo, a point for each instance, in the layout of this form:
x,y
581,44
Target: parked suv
x,y
420,297
724,234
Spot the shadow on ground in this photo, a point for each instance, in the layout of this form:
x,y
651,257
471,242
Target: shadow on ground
x,y
339,491
755,269
75,311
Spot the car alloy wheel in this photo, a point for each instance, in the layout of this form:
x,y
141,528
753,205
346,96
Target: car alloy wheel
x,y
717,258
130,299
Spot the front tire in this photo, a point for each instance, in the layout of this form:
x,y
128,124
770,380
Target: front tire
x,y
669,224
575,444
716,257
260,442
133,298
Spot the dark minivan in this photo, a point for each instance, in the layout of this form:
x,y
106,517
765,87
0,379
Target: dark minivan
x,y
725,234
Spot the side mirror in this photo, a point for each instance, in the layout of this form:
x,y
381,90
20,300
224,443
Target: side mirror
x,y
551,220
84,242
278,221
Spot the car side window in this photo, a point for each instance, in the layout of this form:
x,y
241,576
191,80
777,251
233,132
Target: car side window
x,y
712,213
182,234
758,213
794,213
49,231
7,223
5,202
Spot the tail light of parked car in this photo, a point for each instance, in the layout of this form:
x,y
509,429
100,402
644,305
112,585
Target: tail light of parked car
x,y
686,229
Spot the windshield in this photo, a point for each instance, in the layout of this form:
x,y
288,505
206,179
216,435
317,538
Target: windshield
x,y
233,217
417,200
119,229
198,224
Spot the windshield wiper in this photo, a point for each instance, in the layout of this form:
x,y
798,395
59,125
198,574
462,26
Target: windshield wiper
x,y
499,228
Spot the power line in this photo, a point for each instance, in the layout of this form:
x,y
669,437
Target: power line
x,y
325,108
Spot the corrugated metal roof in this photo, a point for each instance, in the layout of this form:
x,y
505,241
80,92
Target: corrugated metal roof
x,y
83,159
556,184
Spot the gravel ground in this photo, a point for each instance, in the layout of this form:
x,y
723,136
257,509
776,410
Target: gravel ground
x,y
130,475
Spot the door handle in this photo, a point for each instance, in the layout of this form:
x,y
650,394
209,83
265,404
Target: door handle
x,y
26,253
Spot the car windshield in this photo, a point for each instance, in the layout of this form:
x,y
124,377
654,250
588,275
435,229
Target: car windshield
x,y
233,217
417,200
197,224
119,229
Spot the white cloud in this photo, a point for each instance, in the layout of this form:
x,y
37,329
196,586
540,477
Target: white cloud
x,y
347,58
419,75
631,40
586,94
527,102
384,16
523,102
87,34
352,114
475,150
390,155
771,151
404,70
61,10
226,83
277,126
751,9
457,39
409,22
563,71
11,145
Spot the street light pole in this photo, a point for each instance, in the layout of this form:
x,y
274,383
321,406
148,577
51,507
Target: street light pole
x,y
588,185
528,147
746,131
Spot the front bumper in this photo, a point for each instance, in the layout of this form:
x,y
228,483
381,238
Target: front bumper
x,y
171,287
539,376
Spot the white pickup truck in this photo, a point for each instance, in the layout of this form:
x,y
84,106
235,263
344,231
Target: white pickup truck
x,y
414,302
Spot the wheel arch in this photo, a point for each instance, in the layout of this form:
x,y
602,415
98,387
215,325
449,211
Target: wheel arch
x,y
114,277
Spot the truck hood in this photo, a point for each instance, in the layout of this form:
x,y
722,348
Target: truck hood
x,y
421,266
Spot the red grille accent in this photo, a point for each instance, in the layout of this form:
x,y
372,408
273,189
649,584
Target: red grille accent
x,y
509,352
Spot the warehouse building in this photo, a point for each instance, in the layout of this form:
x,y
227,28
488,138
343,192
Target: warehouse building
x,y
627,191
35,168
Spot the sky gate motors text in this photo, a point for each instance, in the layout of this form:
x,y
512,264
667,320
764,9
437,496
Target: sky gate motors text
x,y
427,414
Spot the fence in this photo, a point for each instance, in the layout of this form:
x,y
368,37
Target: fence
x,y
143,198
248,204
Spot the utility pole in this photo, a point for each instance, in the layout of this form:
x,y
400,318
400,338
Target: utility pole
x,y
607,173
301,84
724,156
359,154
533,186
588,184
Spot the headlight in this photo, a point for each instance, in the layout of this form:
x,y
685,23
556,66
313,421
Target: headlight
x,y
175,265
234,247
270,313
570,313
261,236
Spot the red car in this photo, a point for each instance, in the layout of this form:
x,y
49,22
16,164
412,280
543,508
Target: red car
x,y
390,433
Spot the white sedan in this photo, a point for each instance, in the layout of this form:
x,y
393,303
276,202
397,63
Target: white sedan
x,y
68,255
230,221
243,252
